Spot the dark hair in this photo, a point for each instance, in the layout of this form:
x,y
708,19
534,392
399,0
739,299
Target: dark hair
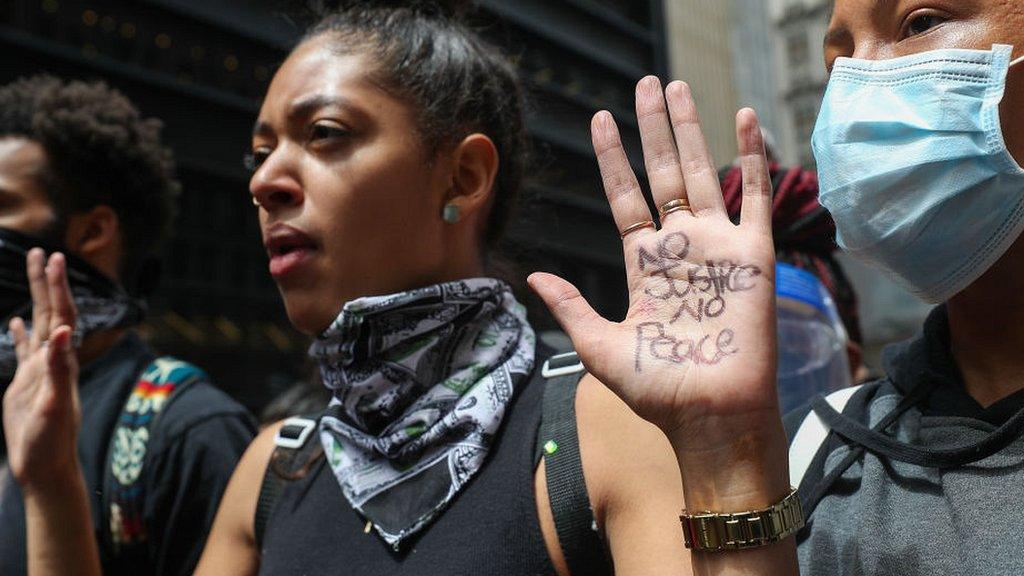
x,y
99,151
455,81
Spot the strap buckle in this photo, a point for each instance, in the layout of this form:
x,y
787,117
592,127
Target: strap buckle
x,y
294,432
562,365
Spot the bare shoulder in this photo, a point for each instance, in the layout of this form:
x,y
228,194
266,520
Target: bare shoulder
x,y
231,548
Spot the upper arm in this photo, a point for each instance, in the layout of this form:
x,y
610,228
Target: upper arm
x,y
231,547
634,483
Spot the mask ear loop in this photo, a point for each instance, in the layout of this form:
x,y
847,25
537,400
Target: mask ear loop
x,y
1015,62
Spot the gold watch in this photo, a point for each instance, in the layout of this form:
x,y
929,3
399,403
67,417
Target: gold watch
x,y
716,532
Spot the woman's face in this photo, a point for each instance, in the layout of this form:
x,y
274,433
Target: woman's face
x,y
884,29
350,202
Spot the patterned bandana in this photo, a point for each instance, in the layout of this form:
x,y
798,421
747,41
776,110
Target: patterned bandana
x,y
421,381
100,302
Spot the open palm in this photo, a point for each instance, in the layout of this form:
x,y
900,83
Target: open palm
x,y
41,408
698,341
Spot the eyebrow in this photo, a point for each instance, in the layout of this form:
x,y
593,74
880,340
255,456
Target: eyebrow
x,y
843,34
305,106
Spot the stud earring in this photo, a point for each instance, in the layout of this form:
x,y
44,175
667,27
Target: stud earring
x,y
452,213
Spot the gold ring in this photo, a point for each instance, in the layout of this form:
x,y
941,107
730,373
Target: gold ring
x,y
674,206
638,226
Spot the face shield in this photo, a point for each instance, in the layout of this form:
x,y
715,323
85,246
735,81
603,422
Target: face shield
x,y
812,340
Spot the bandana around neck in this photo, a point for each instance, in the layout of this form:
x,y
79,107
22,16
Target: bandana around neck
x,y
421,381
100,303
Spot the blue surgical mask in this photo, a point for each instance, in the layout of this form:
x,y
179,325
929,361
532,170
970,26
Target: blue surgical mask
x,y
914,169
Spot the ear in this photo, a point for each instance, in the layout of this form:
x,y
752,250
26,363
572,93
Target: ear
x,y
474,169
95,236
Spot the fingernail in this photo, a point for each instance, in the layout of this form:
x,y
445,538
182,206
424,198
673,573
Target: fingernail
x,y
651,82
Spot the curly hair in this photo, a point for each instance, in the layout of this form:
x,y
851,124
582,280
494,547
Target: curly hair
x,y
99,151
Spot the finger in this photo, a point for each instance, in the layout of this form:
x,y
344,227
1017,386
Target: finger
x,y
757,186
21,345
699,173
35,264
62,306
661,157
61,362
572,311
620,183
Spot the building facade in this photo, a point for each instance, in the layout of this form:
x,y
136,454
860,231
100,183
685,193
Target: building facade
x,y
754,68
800,72
701,54
726,51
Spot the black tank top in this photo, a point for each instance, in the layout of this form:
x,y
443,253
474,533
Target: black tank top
x,y
491,528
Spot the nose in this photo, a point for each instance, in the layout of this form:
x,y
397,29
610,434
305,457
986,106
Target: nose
x,y
275,184
874,49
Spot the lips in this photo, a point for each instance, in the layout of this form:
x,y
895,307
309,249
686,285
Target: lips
x,y
289,250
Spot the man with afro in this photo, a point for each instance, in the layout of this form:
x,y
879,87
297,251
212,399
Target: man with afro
x,y
83,173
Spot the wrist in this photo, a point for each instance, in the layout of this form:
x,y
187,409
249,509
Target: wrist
x,y
734,464
58,483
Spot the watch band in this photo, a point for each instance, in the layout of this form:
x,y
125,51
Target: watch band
x,y
717,532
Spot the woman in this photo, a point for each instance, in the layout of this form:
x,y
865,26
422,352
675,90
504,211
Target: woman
x,y
387,154
918,147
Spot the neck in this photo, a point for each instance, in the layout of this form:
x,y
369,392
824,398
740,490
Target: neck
x,y
986,324
97,344
460,266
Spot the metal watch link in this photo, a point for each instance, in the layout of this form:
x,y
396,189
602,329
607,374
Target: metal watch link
x,y
717,532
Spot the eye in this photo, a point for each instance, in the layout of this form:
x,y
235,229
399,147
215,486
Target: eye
x,y
921,22
253,160
326,131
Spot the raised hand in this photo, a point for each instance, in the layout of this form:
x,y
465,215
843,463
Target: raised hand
x,y
41,411
697,346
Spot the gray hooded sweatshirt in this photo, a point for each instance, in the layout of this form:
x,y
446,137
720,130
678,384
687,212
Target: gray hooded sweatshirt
x,y
914,476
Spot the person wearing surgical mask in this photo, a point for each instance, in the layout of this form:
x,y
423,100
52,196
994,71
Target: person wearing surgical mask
x,y
918,145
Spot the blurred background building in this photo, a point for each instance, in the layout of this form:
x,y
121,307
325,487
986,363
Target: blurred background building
x,y
800,27
725,51
202,67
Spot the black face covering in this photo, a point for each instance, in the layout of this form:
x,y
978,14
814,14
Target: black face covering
x,y
101,302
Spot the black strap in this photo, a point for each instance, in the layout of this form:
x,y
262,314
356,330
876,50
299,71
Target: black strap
x,y
878,443
270,492
584,551
812,494
286,463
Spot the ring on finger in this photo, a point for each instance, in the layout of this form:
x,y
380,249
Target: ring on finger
x,y
676,205
638,226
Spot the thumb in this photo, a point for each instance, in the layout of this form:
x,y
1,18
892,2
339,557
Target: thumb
x,y
572,311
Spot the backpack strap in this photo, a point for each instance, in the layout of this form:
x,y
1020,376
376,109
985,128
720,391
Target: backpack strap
x,y
558,443
123,483
811,435
296,448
